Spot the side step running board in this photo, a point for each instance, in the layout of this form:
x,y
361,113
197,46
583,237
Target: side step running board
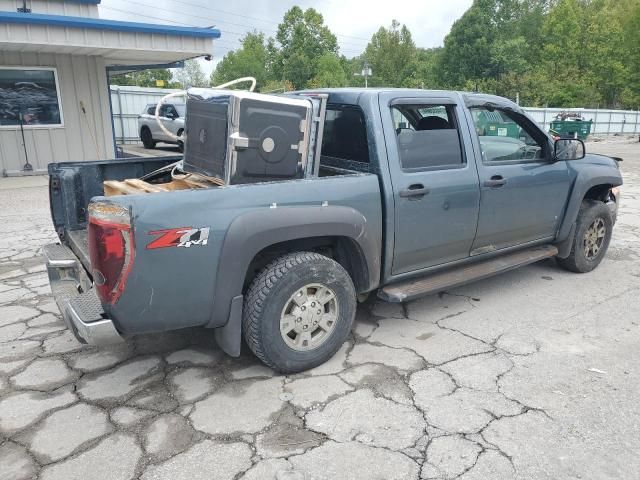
x,y
437,282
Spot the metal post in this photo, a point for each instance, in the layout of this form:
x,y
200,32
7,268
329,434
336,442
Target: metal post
x,y
122,135
366,72
27,166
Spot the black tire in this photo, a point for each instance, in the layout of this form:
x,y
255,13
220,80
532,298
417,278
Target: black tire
x,y
273,289
590,212
147,138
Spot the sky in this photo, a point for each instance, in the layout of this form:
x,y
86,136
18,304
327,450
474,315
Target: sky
x,y
352,21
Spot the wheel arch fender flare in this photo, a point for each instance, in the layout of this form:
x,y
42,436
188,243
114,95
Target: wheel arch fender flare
x,y
252,232
585,180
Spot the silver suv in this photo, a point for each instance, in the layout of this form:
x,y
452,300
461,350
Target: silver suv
x,y
172,117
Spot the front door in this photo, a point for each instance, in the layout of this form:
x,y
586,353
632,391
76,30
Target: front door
x,y
523,191
435,185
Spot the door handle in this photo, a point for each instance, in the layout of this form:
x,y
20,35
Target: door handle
x,y
495,181
415,190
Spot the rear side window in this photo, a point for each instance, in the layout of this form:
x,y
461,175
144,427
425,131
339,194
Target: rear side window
x,y
345,134
151,110
427,137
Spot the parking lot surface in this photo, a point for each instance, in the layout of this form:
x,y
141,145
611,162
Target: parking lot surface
x,y
533,374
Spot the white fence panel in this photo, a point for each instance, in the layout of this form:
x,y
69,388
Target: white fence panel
x,y
127,103
605,122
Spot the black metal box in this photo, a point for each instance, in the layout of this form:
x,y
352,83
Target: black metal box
x,y
245,137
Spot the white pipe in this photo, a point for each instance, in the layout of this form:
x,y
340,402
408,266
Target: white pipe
x,y
240,80
184,92
157,113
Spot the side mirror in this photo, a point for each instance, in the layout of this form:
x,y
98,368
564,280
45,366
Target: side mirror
x,y
568,149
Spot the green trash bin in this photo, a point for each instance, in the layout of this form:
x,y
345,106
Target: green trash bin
x,y
492,124
571,128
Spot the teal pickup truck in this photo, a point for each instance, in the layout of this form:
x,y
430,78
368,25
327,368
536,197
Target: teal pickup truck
x,y
403,199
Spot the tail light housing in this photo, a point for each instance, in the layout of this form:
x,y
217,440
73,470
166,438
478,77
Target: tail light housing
x,y
111,248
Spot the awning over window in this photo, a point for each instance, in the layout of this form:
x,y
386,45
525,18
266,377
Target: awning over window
x,y
120,43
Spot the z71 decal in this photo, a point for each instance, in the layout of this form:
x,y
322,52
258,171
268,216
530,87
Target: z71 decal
x,y
179,237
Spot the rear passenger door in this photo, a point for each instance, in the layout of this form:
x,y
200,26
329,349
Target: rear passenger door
x,y
435,182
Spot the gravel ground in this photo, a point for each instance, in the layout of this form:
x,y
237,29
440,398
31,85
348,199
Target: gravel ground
x,y
533,374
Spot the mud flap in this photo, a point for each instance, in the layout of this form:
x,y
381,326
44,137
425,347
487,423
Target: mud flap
x,y
229,337
564,247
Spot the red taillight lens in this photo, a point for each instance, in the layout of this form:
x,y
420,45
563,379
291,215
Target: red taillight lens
x,y
110,249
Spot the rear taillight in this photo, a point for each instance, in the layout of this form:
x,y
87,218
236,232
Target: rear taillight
x,y
110,248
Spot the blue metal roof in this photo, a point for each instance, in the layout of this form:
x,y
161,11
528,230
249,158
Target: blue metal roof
x,y
102,24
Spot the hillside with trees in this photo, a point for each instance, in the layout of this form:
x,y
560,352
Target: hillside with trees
x,y
556,53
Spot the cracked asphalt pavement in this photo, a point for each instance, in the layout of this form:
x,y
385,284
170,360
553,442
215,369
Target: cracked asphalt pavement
x,y
534,374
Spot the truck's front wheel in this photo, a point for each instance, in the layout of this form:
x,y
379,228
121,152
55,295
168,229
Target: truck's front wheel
x,y
298,311
593,234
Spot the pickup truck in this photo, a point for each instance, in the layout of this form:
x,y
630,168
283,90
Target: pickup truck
x,y
408,199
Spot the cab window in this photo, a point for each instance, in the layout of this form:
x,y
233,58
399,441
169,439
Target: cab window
x,y
427,137
345,134
507,136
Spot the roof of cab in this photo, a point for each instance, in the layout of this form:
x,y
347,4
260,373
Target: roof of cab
x,y
351,95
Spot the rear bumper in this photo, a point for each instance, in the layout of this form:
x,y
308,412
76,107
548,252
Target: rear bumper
x,y
77,300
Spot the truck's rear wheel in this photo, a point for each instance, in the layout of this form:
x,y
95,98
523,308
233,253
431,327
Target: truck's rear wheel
x,y
298,311
593,234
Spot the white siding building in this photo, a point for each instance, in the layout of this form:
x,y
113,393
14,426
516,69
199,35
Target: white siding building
x,y
54,91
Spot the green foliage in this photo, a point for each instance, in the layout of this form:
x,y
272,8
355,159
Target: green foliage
x,y
329,73
467,47
392,55
145,78
302,40
191,75
250,60
548,52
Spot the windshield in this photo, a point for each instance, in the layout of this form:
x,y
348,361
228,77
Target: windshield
x,y
181,109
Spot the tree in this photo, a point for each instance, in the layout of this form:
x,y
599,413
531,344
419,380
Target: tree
x,y
392,55
302,40
191,75
250,60
567,80
424,72
329,73
629,15
467,52
145,78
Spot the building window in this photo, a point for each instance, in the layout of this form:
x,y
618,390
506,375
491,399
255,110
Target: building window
x,y
29,96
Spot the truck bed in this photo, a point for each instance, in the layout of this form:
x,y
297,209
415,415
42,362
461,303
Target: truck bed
x,y
73,184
